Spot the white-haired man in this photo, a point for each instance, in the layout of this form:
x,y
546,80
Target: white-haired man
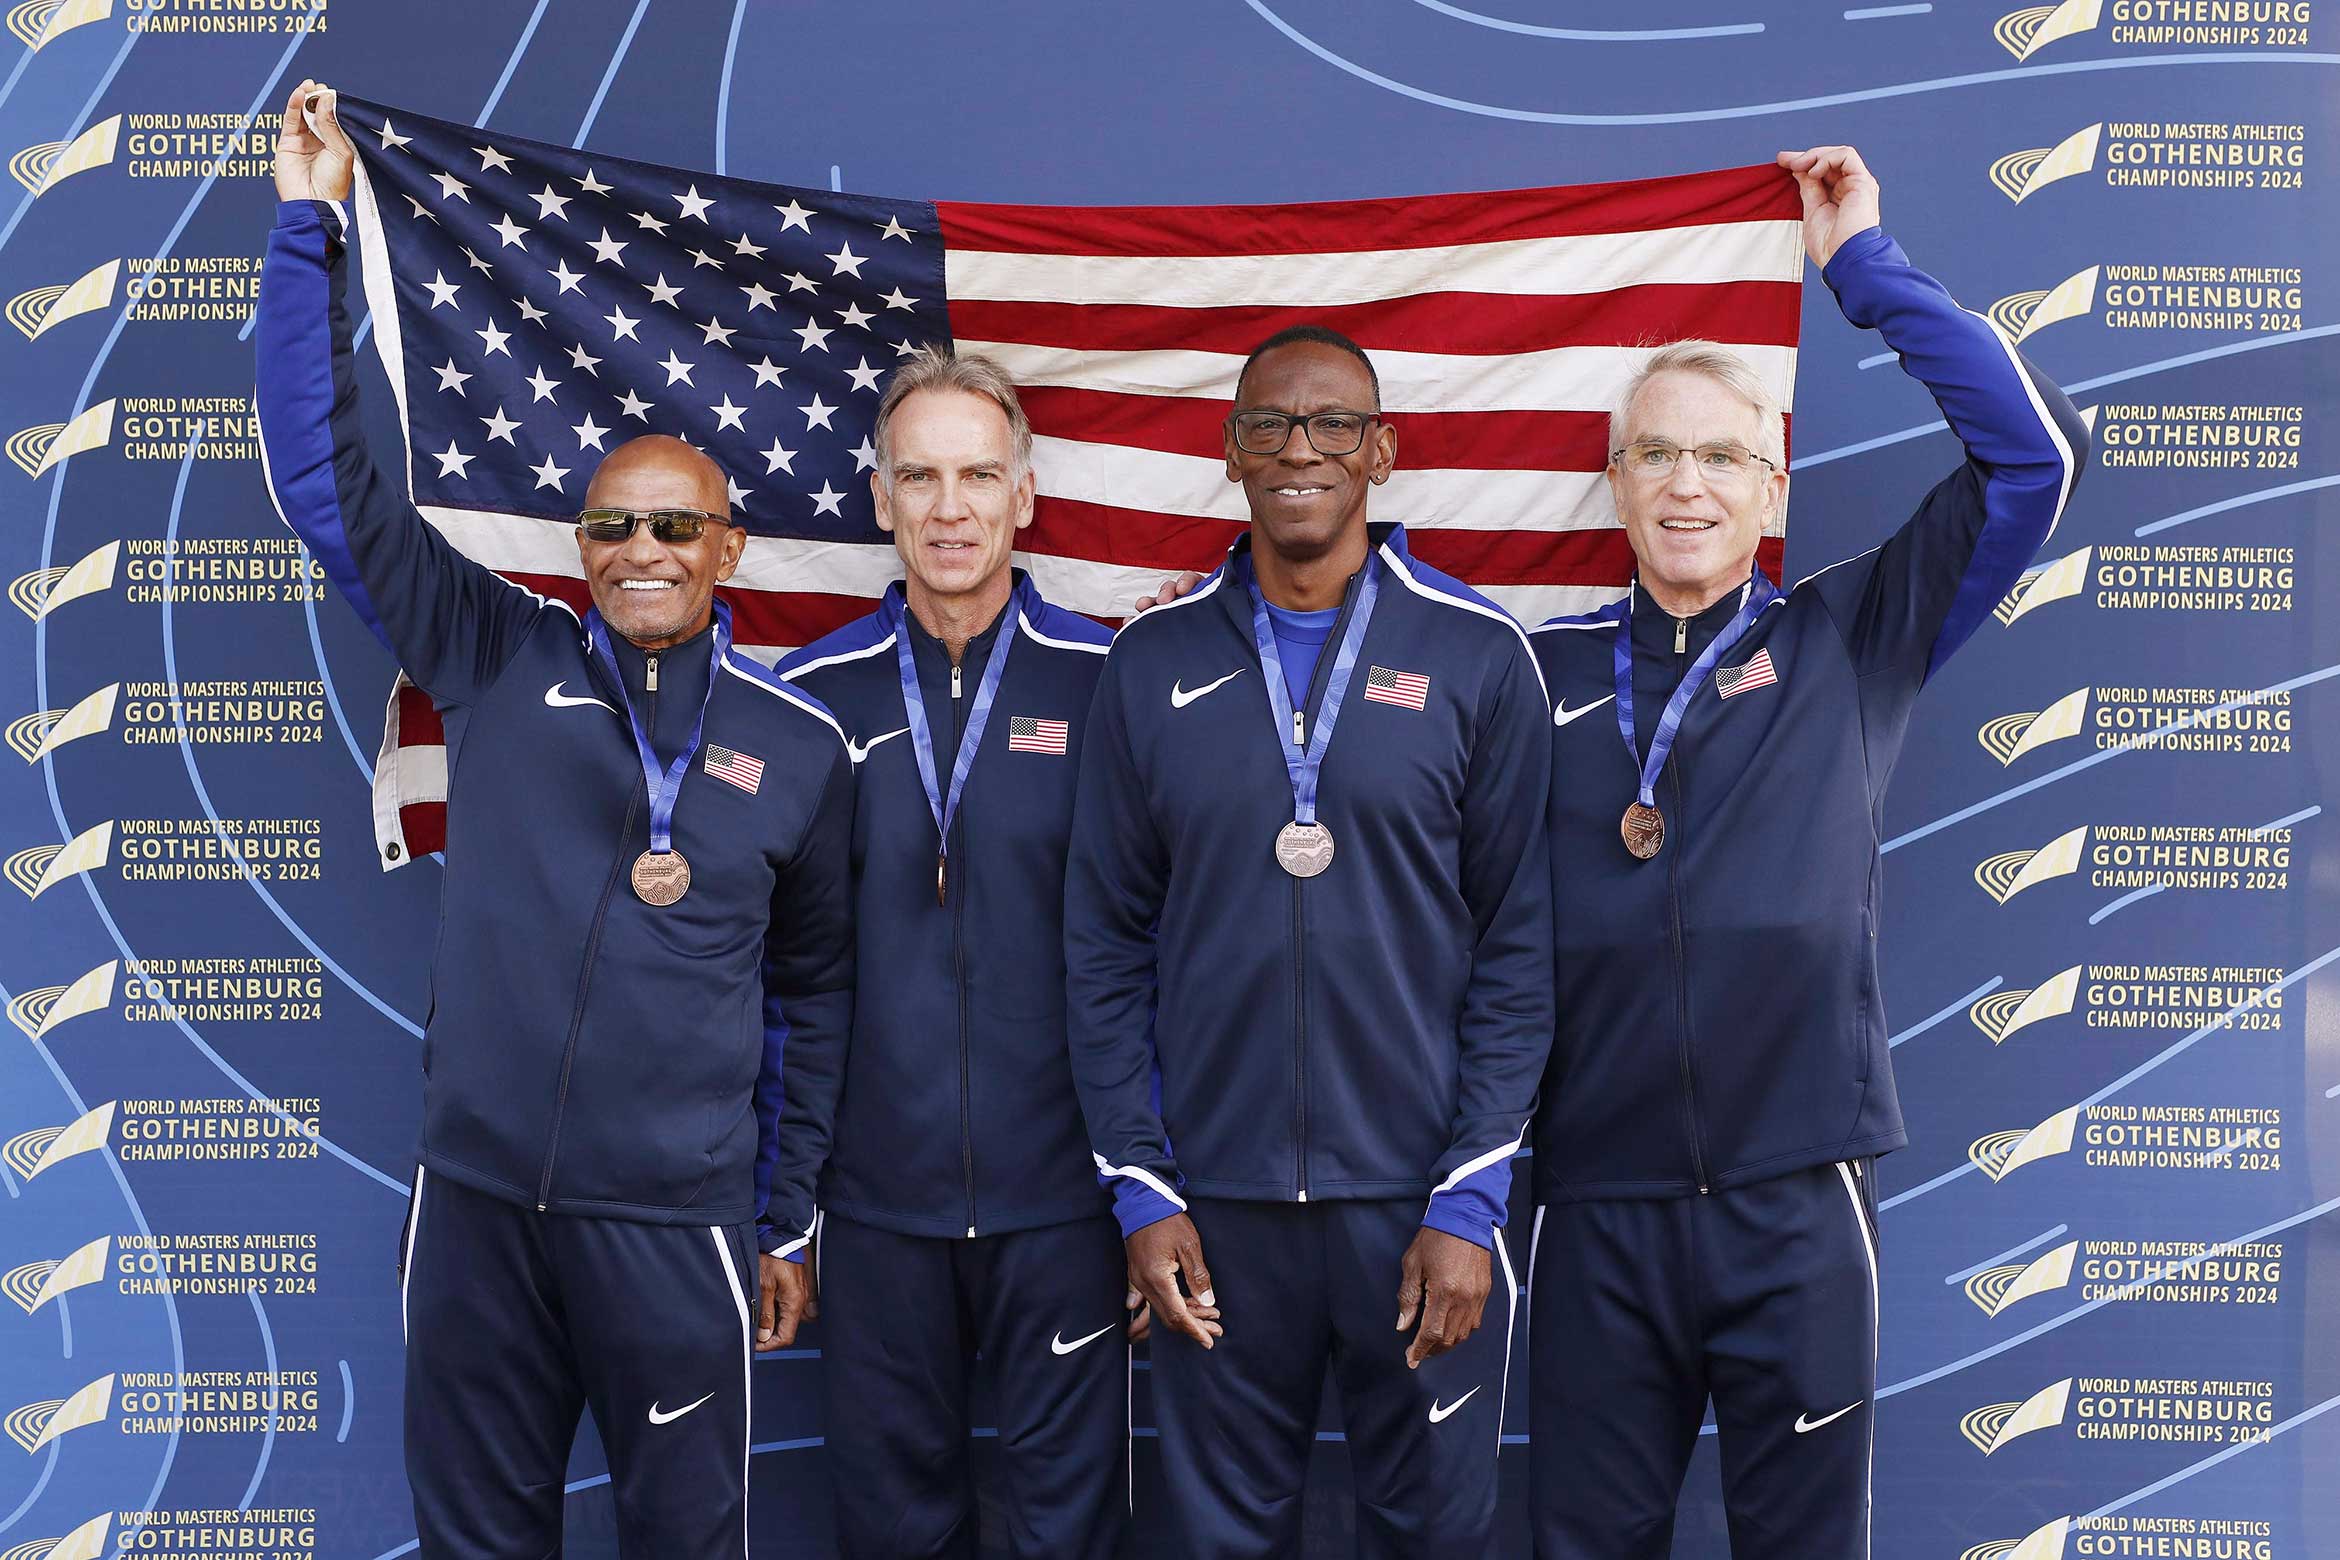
x,y
1720,1084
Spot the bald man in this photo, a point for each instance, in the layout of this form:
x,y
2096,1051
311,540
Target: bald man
x,y
647,891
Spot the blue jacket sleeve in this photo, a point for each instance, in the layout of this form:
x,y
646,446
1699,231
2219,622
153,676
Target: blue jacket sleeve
x,y
1117,874
1505,1032
1910,603
452,624
808,1016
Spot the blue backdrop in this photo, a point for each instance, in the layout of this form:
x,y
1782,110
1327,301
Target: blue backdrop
x,y
2112,1281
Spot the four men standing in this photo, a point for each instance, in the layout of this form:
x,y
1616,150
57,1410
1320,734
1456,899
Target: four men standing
x,y
1283,920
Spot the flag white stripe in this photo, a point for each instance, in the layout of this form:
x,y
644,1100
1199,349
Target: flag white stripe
x,y
1557,379
1765,251
523,544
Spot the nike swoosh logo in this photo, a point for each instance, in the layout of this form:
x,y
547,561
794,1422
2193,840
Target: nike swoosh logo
x,y
1438,1415
1180,698
1562,714
1806,1427
561,701
658,1418
857,751
1057,1345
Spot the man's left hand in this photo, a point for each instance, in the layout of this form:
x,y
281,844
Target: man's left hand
x,y
1444,1282
1840,197
788,1298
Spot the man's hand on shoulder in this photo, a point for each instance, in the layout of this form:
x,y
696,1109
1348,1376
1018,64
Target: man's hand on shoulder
x,y
1840,197
313,163
1168,591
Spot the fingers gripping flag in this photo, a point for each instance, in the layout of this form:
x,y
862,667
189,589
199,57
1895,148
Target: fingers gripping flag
x,y
534,306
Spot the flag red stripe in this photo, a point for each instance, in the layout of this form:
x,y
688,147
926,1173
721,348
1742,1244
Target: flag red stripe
x,y
1419,221
1184,425
1461,324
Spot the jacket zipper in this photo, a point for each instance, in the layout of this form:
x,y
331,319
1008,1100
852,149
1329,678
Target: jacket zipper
x,y
1681,956
1299,920
552,1147
959,964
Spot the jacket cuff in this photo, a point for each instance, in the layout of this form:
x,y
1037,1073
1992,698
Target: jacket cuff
x,y
1463,1216
1136,1205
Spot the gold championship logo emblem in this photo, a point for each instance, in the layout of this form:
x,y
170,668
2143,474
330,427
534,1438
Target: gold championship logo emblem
x,y
43,1148
35,1425
38,868
2021,316
43,591
2001,1154
2009,737
35,736
1994,1289
36,449
35,1284
90,1541
39,23
1995,1424
2046,582
44,165
43,1008
2021,175
2011,872
2024,33
2002,1013
2045,1544
35,311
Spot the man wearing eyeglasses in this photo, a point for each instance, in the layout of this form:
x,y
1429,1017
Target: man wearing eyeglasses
x,y
647,893
959,1213
1720,1084
1308,921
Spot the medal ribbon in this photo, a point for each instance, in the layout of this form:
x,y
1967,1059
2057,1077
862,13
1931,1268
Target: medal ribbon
x,y
1757,594
945,807
664,785
1303,763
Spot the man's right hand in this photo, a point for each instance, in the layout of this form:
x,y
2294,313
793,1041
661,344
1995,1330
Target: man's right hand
x,y
1169,590
1158,1255
309,165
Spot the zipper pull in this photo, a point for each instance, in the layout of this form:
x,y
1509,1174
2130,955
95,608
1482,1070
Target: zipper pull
x,y
1681,636
650,675
954,682
1299,731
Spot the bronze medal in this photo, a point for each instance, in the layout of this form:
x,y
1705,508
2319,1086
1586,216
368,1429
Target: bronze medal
x,y
661,877
1644,828
1304,849
941,866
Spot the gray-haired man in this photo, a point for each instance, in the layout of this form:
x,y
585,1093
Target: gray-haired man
x,y
961,1215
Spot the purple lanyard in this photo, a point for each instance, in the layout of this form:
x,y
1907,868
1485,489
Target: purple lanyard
x,y
1302,763
1757,594
664,785
945,806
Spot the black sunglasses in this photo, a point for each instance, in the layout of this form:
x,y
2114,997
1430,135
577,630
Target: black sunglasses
x,y
667,525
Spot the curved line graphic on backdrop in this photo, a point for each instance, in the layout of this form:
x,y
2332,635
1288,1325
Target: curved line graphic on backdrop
x,y
41,628
170,1302
723,91
609,75
1535,116
1586,34
268,1438
348,1402
195,775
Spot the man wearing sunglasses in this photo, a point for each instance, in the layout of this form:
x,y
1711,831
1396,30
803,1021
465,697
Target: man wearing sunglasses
x,y
960,1216
1720,1085
646,893
1308,930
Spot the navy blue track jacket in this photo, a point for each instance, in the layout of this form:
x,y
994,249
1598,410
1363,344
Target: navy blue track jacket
x,y
958,1116
1720,1021
586,1053
1377,1031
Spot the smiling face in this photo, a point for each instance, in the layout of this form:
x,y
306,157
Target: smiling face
x,y
1694,535
955,499
1304,503
652,592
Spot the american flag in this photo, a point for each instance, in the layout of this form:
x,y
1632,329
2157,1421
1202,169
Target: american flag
x,y
744,770
1027,734
535,305
1755,672
1383,686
